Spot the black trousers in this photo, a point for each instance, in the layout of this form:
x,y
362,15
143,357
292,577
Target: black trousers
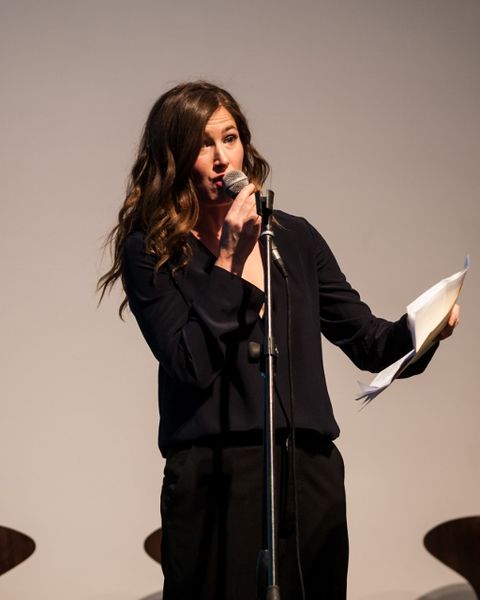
x,y
212,521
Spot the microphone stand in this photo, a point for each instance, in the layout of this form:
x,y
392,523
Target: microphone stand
x,y
267,560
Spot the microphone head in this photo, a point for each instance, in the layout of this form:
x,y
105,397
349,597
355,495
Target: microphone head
x,y
234,182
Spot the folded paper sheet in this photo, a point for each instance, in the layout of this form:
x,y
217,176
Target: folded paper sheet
x,y
427,316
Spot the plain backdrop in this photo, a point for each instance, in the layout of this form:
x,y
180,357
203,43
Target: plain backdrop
x,y
369,113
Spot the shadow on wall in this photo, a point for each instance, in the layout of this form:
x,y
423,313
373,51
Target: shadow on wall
x,y
458,591
158,596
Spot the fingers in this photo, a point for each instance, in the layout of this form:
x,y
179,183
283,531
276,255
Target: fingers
x,y
242,217
244,207
240,231
453,321
454,318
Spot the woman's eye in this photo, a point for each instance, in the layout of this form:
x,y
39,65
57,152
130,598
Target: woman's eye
x,y
230,139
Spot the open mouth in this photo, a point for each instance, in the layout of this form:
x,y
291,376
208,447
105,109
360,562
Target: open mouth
x,y
218,181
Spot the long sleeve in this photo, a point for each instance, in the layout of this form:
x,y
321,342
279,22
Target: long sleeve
x,y
371,342
199,322
187,319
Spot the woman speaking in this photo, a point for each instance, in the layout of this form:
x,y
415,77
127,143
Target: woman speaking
x,y
189,259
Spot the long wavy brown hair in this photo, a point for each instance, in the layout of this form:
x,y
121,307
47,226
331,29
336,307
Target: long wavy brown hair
x,y
161,199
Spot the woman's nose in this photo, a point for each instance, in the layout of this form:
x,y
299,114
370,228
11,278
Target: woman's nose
x,y
220,156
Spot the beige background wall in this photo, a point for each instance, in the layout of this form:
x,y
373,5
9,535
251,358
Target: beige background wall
x,y
368,111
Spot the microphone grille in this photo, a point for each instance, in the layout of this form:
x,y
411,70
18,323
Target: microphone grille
x,y
234,182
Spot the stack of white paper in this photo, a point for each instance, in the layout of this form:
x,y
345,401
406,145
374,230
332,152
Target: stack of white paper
x,y
427,316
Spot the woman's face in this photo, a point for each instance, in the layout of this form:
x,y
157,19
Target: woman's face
x,y
222,151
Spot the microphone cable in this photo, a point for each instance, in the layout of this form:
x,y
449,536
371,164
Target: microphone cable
x,y
292,424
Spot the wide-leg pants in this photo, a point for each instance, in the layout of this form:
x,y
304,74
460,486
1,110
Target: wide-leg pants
x,y
212,521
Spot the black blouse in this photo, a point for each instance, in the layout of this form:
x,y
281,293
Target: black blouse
x,y
198,322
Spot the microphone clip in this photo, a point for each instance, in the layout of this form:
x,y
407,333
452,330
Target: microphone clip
x,y
265,210
264,203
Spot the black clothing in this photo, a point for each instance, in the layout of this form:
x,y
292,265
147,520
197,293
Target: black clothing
x,y
212,522
198,322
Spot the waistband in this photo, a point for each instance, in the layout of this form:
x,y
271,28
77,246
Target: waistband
x,y
307,439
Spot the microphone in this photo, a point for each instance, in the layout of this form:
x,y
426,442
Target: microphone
x,y
234,182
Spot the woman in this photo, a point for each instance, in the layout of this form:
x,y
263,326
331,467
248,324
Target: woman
x,y
189,260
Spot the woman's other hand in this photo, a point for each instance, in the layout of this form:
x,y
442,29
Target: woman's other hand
x,y
453,321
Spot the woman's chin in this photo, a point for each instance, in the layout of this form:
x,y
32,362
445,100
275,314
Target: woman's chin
x,y
218,199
